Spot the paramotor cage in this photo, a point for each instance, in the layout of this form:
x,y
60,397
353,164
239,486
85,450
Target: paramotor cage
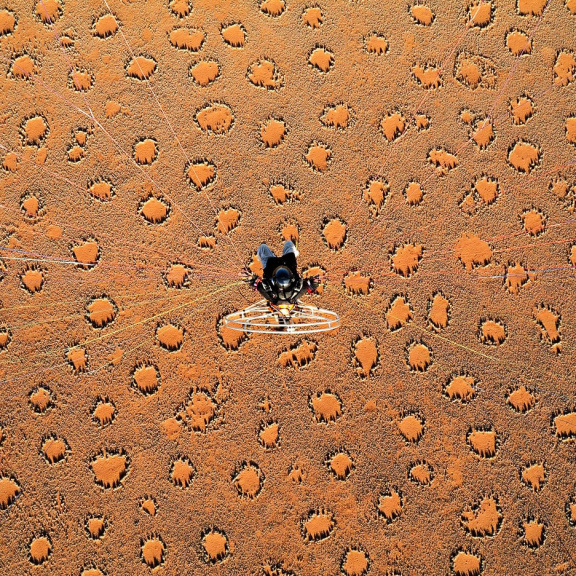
x,y
266,318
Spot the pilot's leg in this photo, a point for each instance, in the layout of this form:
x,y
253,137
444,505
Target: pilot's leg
x,y
264,253
289,247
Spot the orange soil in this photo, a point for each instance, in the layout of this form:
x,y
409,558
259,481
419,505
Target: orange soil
x,y
427,76
439,311
265,74
534,222
7,22
341,465
460,388
5,339
517,276
335,233
327,407
35,130
205,72
86,253
483,442
216,118
187,38
419,357
109,469
153,552
355,563
182,473
201,174
571,130
564,68
376,44
177,275
141,67
101,312
399,313
521,399
393,126
411,428
522,109
78,358
101,190
146,379
227,220
534,476
269,435
421,154
170,336
281,193
531,7
318,157
81,80
483,133
492,332
422,14
234,35
390,505
421,474
96,527
487,189
76,153
524,156
23,67
565,425
33,280
443,160
149,506
472,251
40,550
422,122
40,399
290,232
200,411
318,526
248,481
48,10
414,194
405,259
180,8
54,450
366,353
105,26
519,43
145,152
10,163
338,116
321,59
9,489
375,194
104,413
466,564
480,13
475,71
549,322
273,132
215,545
533,533
154,210
484,519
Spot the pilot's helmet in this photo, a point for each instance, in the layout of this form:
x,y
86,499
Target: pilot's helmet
x,y
283,277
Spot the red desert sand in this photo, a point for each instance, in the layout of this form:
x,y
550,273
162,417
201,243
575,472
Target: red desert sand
x,y
422,154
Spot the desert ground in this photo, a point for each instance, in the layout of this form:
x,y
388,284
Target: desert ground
x,y
423,156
